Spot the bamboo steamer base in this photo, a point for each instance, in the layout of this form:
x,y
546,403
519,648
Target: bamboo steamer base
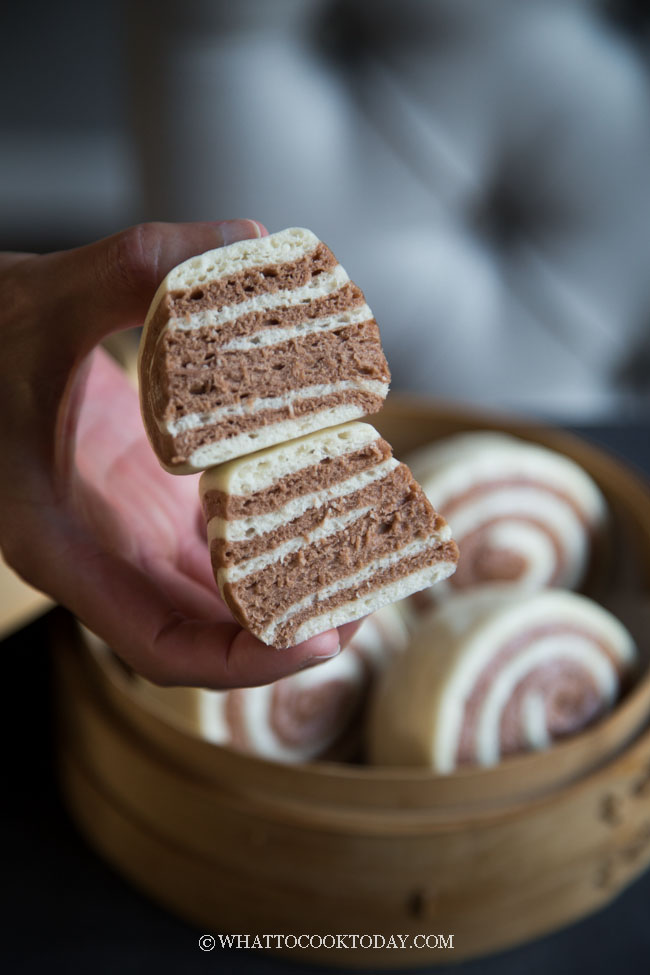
x,y
234,843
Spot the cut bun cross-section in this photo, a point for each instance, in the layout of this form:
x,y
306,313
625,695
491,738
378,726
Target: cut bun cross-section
x,y
319,531
253,344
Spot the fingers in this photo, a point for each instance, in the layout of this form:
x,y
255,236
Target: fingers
x,y
160,623
109,285
158,613
55,308
9,258
243,662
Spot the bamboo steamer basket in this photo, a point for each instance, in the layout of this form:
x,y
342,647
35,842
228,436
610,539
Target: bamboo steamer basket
x,y
235,843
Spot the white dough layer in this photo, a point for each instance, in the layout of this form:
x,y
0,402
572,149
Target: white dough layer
x,y
260,470
280,248
269,435
533,715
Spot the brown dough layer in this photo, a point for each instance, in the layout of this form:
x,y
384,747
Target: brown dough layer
x,y
448,552
180,448
316,477
239,377
379,495
406,515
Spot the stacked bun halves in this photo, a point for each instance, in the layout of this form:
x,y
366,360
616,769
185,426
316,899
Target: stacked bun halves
x,y
266,343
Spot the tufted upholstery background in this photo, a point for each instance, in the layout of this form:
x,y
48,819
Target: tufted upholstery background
x,y
482,169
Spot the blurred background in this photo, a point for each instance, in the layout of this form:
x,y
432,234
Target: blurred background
x,y
481,169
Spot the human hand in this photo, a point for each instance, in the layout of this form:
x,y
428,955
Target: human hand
x,y
86,513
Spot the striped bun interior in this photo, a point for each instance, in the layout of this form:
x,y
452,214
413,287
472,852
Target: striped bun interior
x,y
319,531
253,344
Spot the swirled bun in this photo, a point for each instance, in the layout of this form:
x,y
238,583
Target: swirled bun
x,y
494,672
521,513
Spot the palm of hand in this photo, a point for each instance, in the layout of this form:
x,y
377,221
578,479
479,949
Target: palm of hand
x,y
134,504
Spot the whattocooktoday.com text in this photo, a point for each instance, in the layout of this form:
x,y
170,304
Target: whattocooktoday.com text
x,y
209,942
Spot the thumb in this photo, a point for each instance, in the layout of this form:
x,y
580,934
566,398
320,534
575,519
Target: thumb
x,y
109,285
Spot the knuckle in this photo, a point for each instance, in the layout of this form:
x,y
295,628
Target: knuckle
x,y
16,295
133,257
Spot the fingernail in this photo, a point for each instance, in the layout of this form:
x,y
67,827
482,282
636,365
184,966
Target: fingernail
x,y
260,229
321,658
315,661
234,230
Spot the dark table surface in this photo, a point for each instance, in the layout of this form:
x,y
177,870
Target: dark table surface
x,y
65,910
